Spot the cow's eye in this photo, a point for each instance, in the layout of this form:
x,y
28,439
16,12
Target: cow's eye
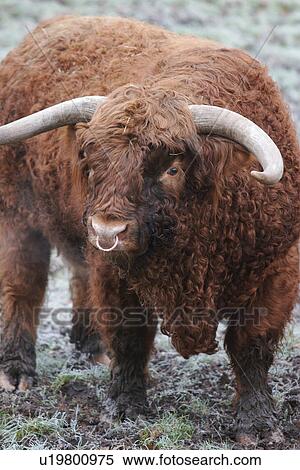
x,y
90,173
172,171
82,154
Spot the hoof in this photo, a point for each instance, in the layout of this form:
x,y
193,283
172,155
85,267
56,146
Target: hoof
x,y
85,342
275,437
126,406
100,358
256,419
15,382
272,437
247,440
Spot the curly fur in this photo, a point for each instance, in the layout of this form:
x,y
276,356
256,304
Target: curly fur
x,y
224,242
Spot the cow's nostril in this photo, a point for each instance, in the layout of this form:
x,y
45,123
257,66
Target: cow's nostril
x,y
108,232
123,231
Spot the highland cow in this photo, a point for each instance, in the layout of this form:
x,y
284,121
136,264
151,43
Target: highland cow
x,y
165,169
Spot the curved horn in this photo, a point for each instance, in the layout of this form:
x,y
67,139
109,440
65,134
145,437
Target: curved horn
x,y
226,123
208,119
62,114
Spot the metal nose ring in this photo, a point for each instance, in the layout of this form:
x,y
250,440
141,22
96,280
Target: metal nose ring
x,y
107,249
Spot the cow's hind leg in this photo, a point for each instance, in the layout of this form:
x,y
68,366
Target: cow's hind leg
x,y
251,346
83,335
24,264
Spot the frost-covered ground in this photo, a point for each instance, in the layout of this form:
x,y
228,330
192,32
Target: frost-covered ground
x,y
190,400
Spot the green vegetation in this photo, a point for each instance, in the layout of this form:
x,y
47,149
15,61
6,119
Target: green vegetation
x,y
19,432
168,432
92,376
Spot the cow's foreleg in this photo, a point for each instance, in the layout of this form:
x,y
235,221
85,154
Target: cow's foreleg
x,y
128,331
251,344
251,358
131,345
24,264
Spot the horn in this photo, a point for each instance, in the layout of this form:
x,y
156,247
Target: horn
x,y
208,120
226,123
62,114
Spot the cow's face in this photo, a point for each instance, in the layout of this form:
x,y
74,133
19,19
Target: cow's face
x,y
137,210
143,215
136,164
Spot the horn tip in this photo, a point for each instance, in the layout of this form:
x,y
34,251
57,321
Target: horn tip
x,y
264,178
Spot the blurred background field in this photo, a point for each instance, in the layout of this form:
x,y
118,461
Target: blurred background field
x,y
190,401
269,29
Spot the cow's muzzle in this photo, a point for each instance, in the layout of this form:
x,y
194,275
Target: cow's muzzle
x,y
110,235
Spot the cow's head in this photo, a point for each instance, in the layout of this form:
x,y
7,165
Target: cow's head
x,y
135,157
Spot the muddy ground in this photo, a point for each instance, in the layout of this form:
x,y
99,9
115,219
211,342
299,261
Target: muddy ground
x,y
190,401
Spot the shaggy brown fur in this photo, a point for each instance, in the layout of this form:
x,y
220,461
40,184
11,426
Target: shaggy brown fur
x,y
215,243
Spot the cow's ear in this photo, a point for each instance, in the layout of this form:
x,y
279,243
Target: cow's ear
x,y
217,161
239,159
74,153
219,158
79,133
70,145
